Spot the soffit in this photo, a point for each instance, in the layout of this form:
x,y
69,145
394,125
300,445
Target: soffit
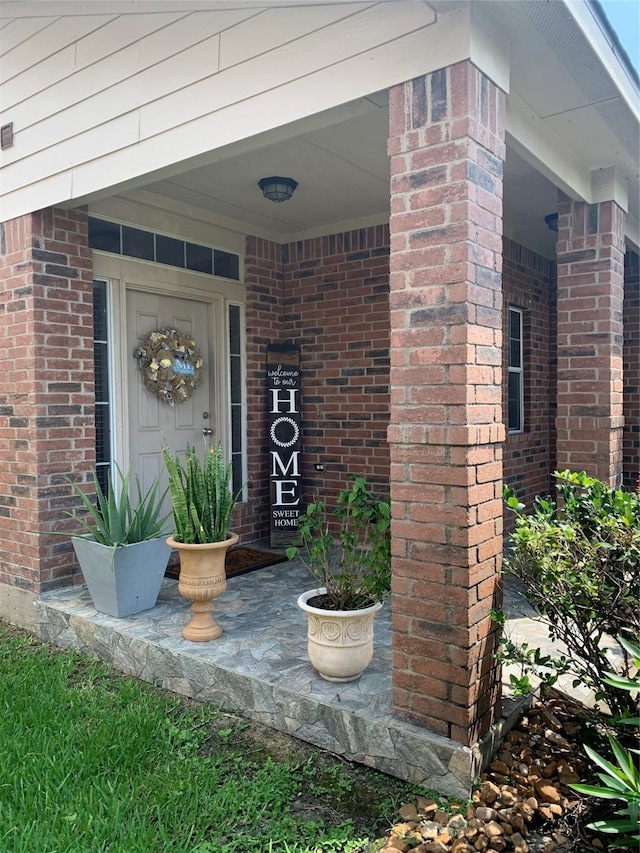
x,y
558,75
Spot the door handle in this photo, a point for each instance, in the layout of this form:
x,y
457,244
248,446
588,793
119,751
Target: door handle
x,y
207,431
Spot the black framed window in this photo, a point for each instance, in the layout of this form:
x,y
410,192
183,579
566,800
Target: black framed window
x,y
105,236
137,243
199,258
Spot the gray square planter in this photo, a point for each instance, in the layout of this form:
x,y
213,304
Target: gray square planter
x,y
127,581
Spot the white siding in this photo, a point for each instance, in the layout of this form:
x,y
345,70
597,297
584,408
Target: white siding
x,y
15,32
100,100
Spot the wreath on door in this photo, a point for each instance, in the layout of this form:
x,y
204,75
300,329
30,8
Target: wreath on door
x,y
171,365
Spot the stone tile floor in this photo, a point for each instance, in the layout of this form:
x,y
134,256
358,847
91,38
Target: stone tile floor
x,y
259,666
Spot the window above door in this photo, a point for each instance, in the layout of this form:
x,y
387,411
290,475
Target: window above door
x,y
108,236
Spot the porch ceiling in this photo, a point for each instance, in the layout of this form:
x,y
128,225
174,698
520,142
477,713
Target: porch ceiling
x,y
586,111
343,175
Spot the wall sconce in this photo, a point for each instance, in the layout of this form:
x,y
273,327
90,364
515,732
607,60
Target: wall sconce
x,y
277,189
552,221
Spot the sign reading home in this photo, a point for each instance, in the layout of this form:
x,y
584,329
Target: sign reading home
x,y
283,392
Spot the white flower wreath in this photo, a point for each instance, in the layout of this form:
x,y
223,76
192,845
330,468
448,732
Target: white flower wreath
x,y
171,365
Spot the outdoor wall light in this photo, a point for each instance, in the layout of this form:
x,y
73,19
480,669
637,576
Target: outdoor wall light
x,y
552,221
277,189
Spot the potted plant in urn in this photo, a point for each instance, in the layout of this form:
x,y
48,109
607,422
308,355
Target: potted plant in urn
x,y
354,576
123,554
202,506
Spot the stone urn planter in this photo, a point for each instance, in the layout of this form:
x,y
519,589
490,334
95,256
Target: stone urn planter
x,y
340,642
354,574
203,502
202,579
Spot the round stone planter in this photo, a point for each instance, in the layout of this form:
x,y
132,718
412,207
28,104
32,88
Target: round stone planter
x,y
340,641
202,578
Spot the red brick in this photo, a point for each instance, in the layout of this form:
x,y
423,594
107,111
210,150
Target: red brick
x,y
44,455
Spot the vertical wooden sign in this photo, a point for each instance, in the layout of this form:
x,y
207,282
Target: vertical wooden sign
x,y
283,394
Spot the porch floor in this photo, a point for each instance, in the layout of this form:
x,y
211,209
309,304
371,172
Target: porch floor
x,y
259,667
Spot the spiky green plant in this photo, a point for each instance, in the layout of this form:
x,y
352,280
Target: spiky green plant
x,y
621,782
201,495
114,519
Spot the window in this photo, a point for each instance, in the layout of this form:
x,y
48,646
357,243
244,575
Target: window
x,y
101,370
516,384
147,245
236,381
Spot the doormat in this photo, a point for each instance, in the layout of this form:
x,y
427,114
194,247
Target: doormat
x,y
240,560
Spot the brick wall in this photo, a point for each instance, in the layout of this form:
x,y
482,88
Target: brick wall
x,y
631,371
330,297
302,292
263,326
529,457
336,308
47,392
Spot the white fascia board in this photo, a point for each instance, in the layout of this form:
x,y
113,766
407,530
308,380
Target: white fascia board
x,y
536,143
589,27
489,49
609,185
46,193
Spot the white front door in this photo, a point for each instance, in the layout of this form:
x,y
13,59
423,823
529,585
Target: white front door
x,y
152,422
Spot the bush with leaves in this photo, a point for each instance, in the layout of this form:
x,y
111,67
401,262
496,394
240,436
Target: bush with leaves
x,y
578,559
356,571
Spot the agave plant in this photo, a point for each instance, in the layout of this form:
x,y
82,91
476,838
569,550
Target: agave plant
x,y
201,495
115,519
621,782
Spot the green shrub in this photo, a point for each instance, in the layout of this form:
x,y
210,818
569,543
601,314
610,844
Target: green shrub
x,y
579,562
356,570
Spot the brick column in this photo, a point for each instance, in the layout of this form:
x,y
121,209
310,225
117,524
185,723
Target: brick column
x,y
631,368
590,298
46,394
447,150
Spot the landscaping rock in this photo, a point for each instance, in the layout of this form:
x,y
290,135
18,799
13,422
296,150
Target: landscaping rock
x,y
486,814
409,813
524,790
547,792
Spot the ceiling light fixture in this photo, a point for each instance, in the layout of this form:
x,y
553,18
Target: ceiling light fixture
x,y
552,221
277,189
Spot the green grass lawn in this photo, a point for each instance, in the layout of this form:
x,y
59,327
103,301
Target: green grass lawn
x,y
94,761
